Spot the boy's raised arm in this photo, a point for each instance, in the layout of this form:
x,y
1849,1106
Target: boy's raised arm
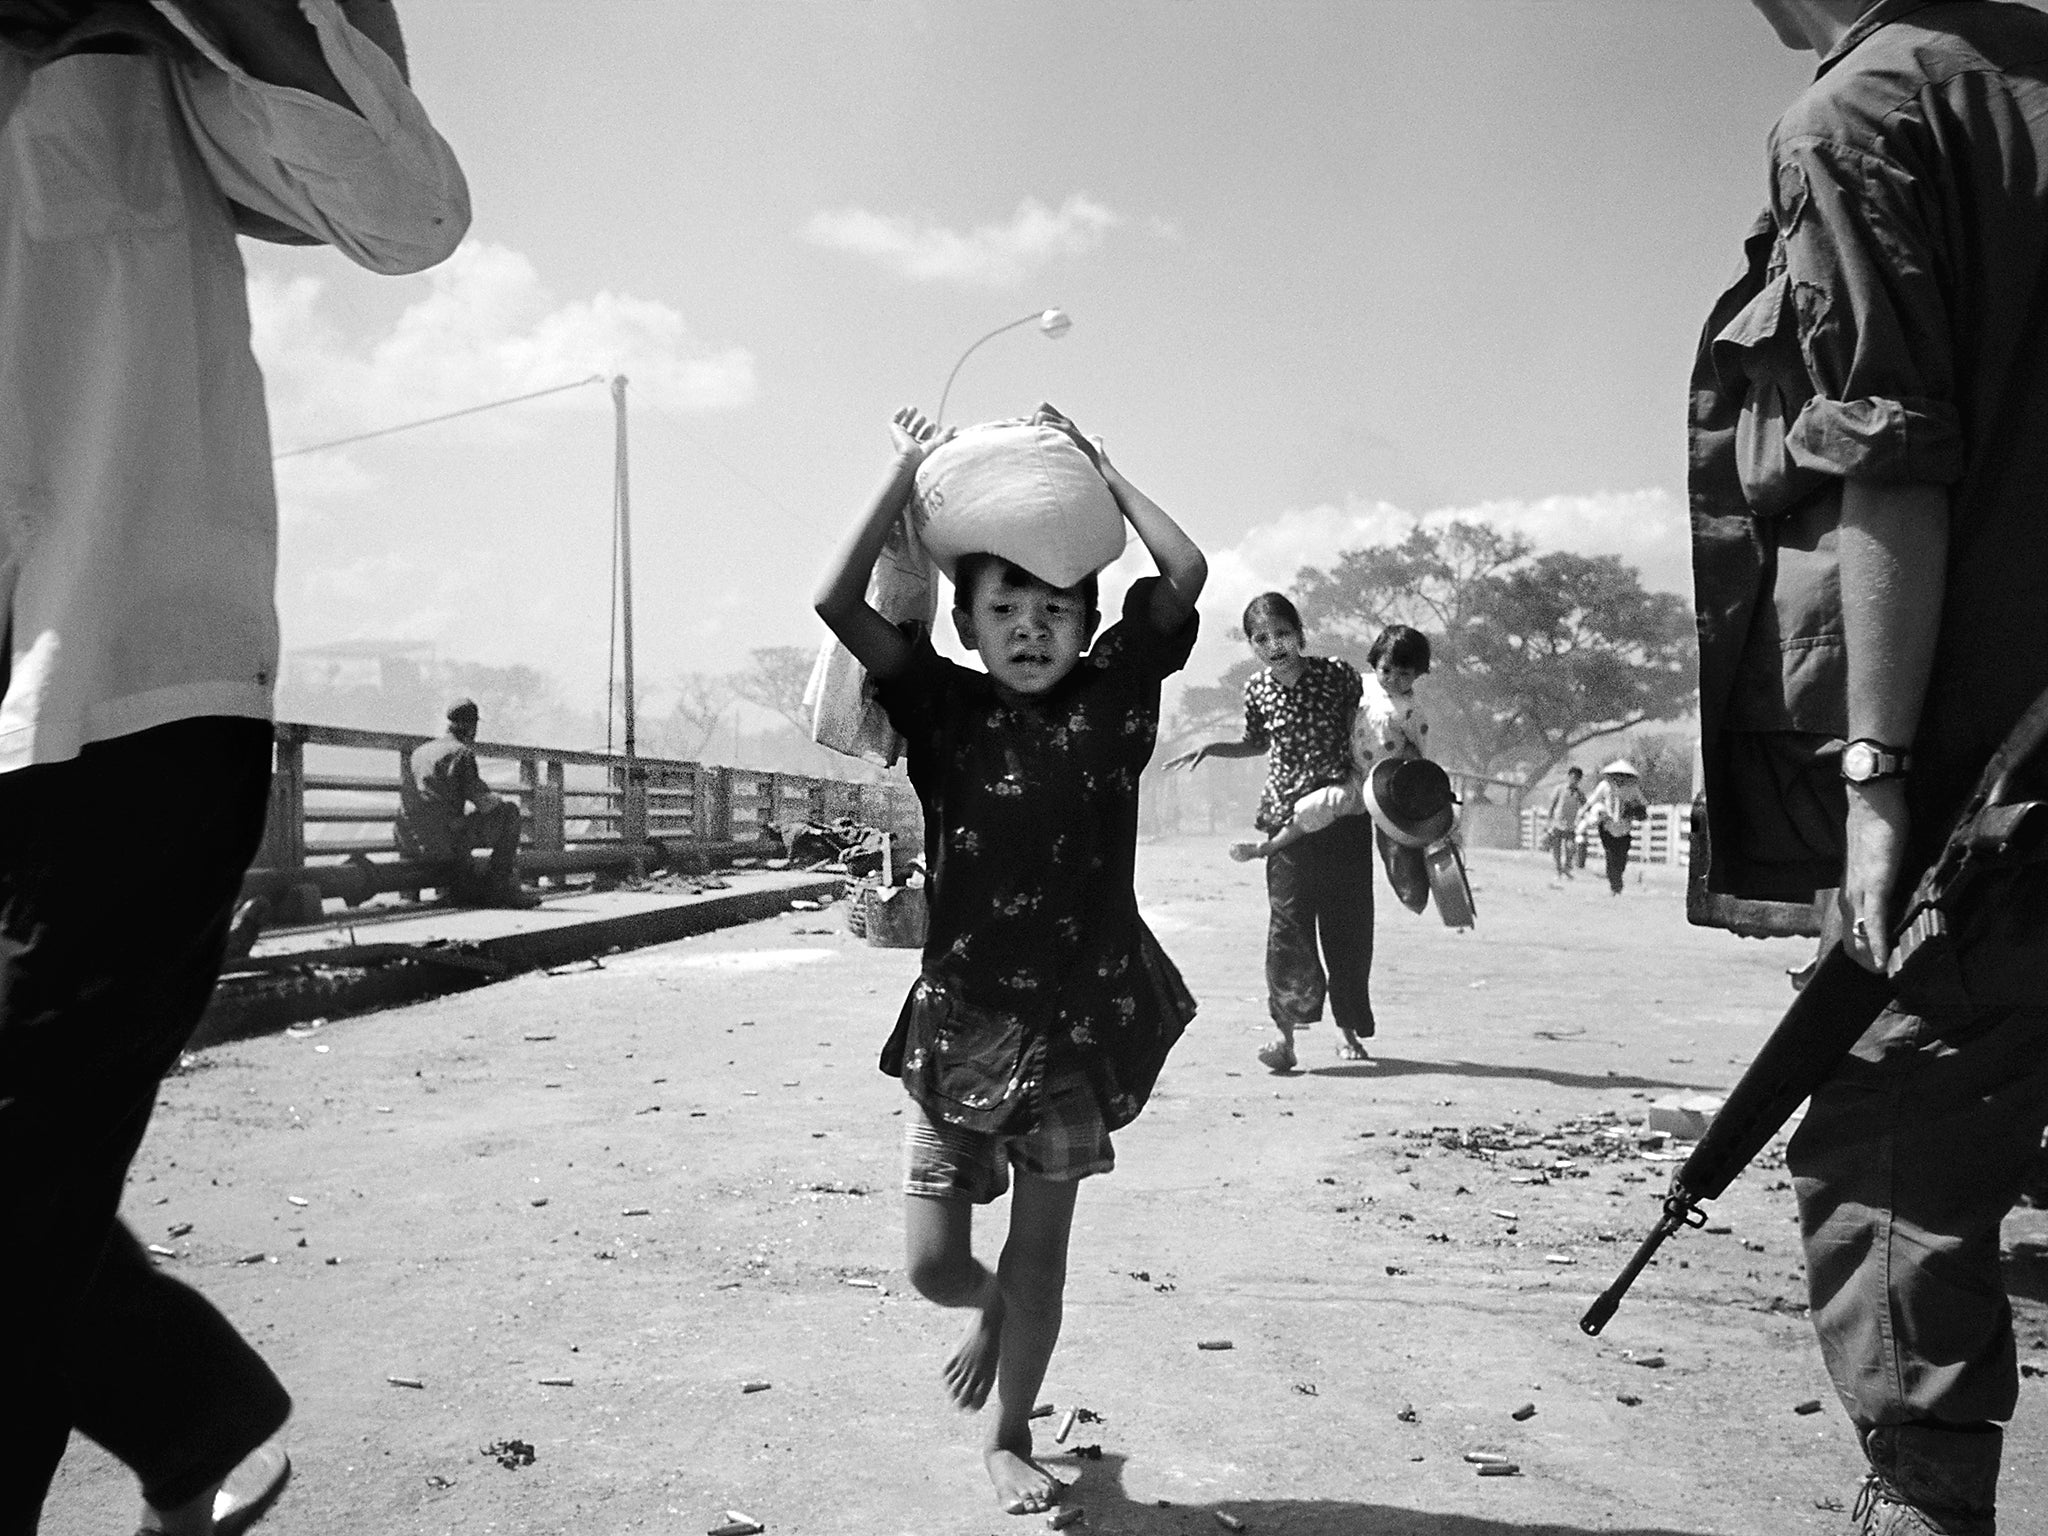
x,y
1182,567
842,600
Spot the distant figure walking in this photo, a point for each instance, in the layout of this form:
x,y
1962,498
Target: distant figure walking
x,y
437,826
1562,833
1302,709
1613,811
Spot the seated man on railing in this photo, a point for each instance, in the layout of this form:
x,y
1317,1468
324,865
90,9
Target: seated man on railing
x,y
437,827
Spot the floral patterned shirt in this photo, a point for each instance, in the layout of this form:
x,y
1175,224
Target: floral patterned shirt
x,y
1306,726
1031,829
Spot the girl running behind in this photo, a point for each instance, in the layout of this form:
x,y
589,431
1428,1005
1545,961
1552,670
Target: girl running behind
x,y
1045,1008
1302,708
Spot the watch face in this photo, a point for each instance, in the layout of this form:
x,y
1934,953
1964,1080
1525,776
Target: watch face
x,y
1859,761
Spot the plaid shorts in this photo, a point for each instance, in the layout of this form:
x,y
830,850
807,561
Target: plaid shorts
x,y
1069,1143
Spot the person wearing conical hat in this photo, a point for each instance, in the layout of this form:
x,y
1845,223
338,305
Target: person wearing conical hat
x,y
1615,807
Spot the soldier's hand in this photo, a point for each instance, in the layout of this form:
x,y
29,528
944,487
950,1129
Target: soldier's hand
x,y
1875,852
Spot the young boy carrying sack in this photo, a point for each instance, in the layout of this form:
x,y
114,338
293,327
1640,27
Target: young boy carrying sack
x,y
1045,1008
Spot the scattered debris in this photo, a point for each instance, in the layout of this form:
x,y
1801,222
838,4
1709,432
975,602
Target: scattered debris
x,y
636,1210
1060,1519
1524,1413
1628,1400
162,1252
1811,1405
1307,1389
252,1258
1500,1469
538,1200
1650,1362
1087,1452
1066,1426
557,1381
1214,1344
538,1038
1408,1415
737,1524
298,1200
1486,1458
1228,1521
438,1483
755,1386
179,1229
1042,1411
407,1381
509,1454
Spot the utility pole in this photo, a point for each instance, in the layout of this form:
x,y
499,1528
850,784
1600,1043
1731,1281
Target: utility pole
x,y
633,823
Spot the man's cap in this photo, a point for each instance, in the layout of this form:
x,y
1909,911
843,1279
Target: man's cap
x,y
462,709
1622,765
1410,799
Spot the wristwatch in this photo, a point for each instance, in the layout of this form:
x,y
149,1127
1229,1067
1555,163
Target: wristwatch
x,y
1865,761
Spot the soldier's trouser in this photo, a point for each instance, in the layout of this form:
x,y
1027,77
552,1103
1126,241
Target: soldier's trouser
x,y
1909,1158
1321,887
112,928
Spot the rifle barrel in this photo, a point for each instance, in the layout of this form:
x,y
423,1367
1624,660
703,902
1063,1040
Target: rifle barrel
x,y
1608,1302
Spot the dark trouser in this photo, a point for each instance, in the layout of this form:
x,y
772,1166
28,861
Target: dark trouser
x,y
1617,857
1322,885
495,827
1561,850
118,874
1908,1160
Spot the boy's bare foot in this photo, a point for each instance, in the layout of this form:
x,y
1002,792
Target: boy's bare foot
x,y
971,1373
1350,1048
1022,1486
1244,852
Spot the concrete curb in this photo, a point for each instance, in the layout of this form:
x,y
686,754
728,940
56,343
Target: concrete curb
x,y
260,1004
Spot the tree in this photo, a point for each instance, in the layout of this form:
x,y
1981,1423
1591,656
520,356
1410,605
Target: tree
x,y
1534,656
699,710
1663,764
776,680
1213,710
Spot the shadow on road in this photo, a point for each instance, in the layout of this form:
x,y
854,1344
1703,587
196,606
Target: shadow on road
x,y
1391,1066
1100,1491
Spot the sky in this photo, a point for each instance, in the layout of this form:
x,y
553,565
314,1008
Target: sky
x,y
1333,266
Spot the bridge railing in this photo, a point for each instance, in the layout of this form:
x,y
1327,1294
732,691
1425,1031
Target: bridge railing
x,y
334,798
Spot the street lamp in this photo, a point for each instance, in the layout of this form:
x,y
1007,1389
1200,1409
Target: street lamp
x,y
1052,324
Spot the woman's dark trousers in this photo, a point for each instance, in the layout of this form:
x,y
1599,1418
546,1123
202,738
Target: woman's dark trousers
x,y
1617,857
1321,888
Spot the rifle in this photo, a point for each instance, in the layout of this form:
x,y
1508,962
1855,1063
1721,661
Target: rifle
x,y
1965,935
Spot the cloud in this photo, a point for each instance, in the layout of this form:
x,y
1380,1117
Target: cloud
x,y
989,256
486,328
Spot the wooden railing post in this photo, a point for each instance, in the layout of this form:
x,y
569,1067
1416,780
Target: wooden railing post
x,y
549,825
284,830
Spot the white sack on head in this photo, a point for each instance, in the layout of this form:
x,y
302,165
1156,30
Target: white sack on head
x,y
1024,490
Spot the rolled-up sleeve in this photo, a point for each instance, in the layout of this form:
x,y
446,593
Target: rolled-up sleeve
x,y
378,183
1872,320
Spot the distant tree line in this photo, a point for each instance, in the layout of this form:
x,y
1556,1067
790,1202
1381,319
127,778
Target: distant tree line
x,y
1535,656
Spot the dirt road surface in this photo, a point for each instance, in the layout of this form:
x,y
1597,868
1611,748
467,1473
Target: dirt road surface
x,y
584,1211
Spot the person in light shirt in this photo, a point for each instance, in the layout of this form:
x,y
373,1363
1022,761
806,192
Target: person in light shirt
x,y
138,651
